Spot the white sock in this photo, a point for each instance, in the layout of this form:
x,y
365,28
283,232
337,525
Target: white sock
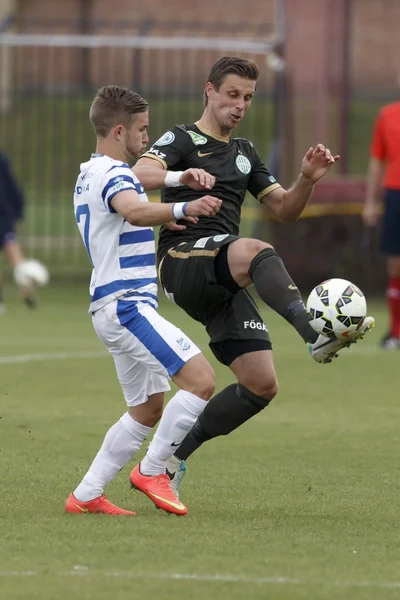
x,y
178,418
121,443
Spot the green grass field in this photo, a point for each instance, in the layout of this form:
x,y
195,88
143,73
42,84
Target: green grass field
x,y
299,503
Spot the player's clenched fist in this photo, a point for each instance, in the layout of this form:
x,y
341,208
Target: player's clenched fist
x,y
207,206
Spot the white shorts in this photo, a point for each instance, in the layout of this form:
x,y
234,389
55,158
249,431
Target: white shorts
x,y
147,349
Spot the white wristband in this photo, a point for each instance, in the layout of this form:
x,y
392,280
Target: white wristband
x,y
172,179
178,210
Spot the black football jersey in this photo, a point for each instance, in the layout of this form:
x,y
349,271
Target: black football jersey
x,y
234,163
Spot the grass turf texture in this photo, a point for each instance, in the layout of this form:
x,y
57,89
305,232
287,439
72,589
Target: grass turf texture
x,y
307,491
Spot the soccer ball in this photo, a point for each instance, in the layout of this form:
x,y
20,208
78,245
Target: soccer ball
x,y
31,272
336,307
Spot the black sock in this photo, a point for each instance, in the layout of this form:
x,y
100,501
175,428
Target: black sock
x,y
224,412
276,288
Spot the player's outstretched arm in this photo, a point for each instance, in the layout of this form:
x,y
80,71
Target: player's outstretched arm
x,y
287,205
153,176
147,214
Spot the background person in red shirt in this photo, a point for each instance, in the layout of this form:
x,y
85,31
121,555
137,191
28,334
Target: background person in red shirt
x,y
384,168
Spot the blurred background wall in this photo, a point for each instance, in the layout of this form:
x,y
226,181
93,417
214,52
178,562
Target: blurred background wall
x,y
326,68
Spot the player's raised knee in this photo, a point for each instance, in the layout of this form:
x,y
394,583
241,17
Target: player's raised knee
x,y
250,246
241,254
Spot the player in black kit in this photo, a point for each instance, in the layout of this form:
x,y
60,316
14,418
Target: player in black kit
x,y
205,267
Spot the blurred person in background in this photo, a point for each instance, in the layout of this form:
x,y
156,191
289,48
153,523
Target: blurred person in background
x,y
384,172
11,213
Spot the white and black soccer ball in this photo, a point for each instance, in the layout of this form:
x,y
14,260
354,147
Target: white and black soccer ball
x,y
336,307
31,272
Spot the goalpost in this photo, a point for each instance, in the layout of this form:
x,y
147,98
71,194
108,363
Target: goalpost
x,y
6,9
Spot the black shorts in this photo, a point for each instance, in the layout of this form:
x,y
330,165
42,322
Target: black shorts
x,y
188,278
390,237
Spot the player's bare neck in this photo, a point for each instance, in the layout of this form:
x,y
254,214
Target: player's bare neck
x,y
208,125
113,152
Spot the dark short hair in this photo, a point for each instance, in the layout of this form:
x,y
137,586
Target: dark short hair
x,y
112,105
231,65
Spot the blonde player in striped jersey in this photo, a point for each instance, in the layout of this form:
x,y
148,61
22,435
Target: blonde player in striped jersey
x,y
114,218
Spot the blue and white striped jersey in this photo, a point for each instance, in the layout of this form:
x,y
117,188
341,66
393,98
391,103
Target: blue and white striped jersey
x,y
122,255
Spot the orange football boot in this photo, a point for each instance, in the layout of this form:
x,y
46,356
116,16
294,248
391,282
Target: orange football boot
x,y
99,505
159,490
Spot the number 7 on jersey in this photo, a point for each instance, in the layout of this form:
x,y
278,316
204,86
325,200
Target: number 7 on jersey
x,y
83,210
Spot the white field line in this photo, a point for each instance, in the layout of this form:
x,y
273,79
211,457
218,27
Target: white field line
x,y
81,571
43,356
24,358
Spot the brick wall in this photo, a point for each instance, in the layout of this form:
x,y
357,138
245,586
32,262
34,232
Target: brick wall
x,y
376,45
253,12
375,51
